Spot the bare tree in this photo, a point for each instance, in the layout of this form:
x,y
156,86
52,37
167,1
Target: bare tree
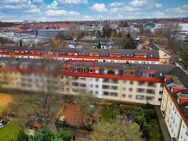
x,y
169,32
50,101
116,131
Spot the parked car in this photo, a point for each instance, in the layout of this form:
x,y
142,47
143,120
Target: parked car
x,y
1,125
4,122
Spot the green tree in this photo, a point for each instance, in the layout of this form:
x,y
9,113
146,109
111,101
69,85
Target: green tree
x,y
21,42
46,134
98,34
65,134
22,136
145,130
99,45
184,57
130,44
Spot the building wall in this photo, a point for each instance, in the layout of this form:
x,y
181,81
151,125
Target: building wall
x,y
164,58
183,136
111,89
174,122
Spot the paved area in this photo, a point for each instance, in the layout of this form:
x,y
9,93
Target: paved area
x,y
164,130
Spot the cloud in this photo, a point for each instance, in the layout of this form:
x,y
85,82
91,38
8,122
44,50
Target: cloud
x,y
14,1
53,5
54,13
73,13
73,1
36,1
180,9
158,5
159,14
138,3
32,11
114,9
86,17
99,7
130,9
115,4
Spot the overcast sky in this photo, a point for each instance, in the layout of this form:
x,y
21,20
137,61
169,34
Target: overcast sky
x,y
61,10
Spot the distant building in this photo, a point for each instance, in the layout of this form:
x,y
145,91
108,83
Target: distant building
x,y
47,32
99,55
149,26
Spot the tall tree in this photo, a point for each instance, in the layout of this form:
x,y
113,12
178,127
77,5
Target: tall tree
x,y
46,134
117,131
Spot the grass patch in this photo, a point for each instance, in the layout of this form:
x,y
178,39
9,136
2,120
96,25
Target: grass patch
x,y
9,132
107,114
154,128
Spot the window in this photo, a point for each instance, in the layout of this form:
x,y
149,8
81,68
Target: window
x,y
140,90
105,80
130,89
96,86
105,87
149,98
141,83
150,84
105,93
75,84
113,94
159,99
131,82
130,96
114,81
160,92
123,95
114,87
139,97
150,91
82,85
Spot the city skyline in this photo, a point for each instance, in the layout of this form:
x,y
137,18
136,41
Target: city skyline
x,y
63,10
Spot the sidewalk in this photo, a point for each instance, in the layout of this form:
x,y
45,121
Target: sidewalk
x,y
164,130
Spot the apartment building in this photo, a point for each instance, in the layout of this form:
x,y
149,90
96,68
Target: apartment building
x,y
112,56
134,76
134,83
174,107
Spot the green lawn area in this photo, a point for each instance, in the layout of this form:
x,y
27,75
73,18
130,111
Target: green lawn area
x,y
155,134
107,113
9,132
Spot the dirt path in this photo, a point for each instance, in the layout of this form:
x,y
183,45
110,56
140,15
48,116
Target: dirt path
x,y
5,99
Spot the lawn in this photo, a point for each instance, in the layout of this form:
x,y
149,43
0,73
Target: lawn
x,y
107,114
9,132
155,134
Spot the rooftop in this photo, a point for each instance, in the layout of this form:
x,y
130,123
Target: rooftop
x,y
128,53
